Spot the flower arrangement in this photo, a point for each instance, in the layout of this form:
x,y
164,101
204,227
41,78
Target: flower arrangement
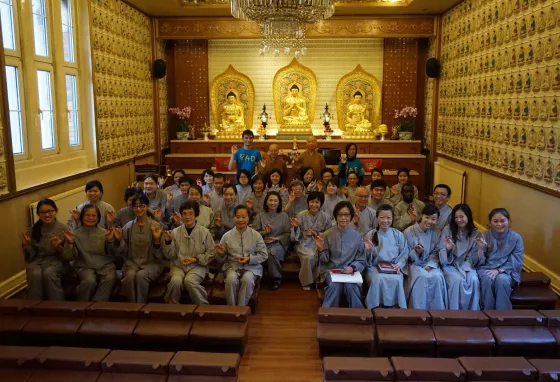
x,y
182,114
406,115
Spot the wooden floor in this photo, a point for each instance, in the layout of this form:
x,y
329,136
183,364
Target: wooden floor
x,y
282,343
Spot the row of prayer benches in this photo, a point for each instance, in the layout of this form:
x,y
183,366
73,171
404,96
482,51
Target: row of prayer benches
x,y
533,292
438,333
400,369
68,364
152,326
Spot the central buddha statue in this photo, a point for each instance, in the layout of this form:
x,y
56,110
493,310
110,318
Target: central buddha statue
x,y
356,116
295,109
232,115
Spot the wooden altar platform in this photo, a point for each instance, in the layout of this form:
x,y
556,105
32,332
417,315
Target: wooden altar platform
x,y
195,156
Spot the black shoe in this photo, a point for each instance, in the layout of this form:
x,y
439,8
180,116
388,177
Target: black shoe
x,y
274,285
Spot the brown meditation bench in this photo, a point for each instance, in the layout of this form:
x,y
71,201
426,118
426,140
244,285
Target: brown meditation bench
x,y
21,364
439,333
129,325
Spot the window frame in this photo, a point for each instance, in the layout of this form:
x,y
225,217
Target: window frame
x,y
9,61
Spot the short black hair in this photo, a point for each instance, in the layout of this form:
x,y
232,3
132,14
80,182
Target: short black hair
x,y
143,198
405,170
219,175
378,183
244,172
341,205
241,206
272,193
190,205
90,207
316,195
229,185
94,183
444,186
179,170
499,210
185,179
131,191
197,188
429,210
407,185
327,169
248,133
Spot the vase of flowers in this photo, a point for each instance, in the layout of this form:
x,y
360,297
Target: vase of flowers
x,y
182,114
406,125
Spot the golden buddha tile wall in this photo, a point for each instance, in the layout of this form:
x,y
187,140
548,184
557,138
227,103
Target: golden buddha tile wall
x,y
429,101
122,59
163,102
500,88
329,59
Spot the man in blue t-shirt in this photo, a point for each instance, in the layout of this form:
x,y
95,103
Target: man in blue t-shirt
x,y
246,157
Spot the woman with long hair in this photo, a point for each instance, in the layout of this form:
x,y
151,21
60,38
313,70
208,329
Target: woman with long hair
x,y
45,257
459,245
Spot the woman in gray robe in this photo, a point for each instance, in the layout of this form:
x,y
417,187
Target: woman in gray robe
x,y
94,262
175,187
332,197
307,224
499,262
206,217
224,215
274,226
45,257
274,178
158,198
255,200
296,202
385,246
242,250
126,214
190,248
341,248
94,194
426,284
139,243
458,248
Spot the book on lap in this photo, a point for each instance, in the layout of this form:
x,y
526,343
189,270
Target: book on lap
x,y
351,278
386,267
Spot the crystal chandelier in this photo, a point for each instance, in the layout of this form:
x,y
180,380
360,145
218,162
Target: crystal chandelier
x,y
282,21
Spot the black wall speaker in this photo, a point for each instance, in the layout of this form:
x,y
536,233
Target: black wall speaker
x,y
433,68
159,68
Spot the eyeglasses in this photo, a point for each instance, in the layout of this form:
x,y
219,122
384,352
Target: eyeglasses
x,y
49,212
343,215
139,206
362,196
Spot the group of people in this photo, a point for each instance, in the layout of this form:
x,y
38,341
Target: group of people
x,y
411,254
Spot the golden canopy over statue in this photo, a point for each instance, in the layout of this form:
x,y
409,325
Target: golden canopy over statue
x,y
232,97
295,96
358,101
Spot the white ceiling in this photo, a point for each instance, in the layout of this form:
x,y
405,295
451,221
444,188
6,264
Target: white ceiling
x,y
173,8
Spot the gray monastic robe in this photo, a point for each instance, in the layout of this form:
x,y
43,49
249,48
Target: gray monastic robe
x,y
258,202
426,289
176,202
103,209
305,247
299,204
367,222
243,192
386,289
45,264
94,258
142,260
284,195
461,278
351,194
216,200
330,202
401,219
175,189
375,205
281,226
341,248
505,252
158,198
443,218
124,215
241,278
200,245
226,213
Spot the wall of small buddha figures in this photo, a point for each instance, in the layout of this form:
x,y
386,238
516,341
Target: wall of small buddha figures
x,y
500,88
429,100
122,59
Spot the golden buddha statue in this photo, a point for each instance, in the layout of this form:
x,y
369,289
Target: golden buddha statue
x,y
356,116
232,114
295,109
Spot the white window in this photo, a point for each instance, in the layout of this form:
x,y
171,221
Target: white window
x,y
43,49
